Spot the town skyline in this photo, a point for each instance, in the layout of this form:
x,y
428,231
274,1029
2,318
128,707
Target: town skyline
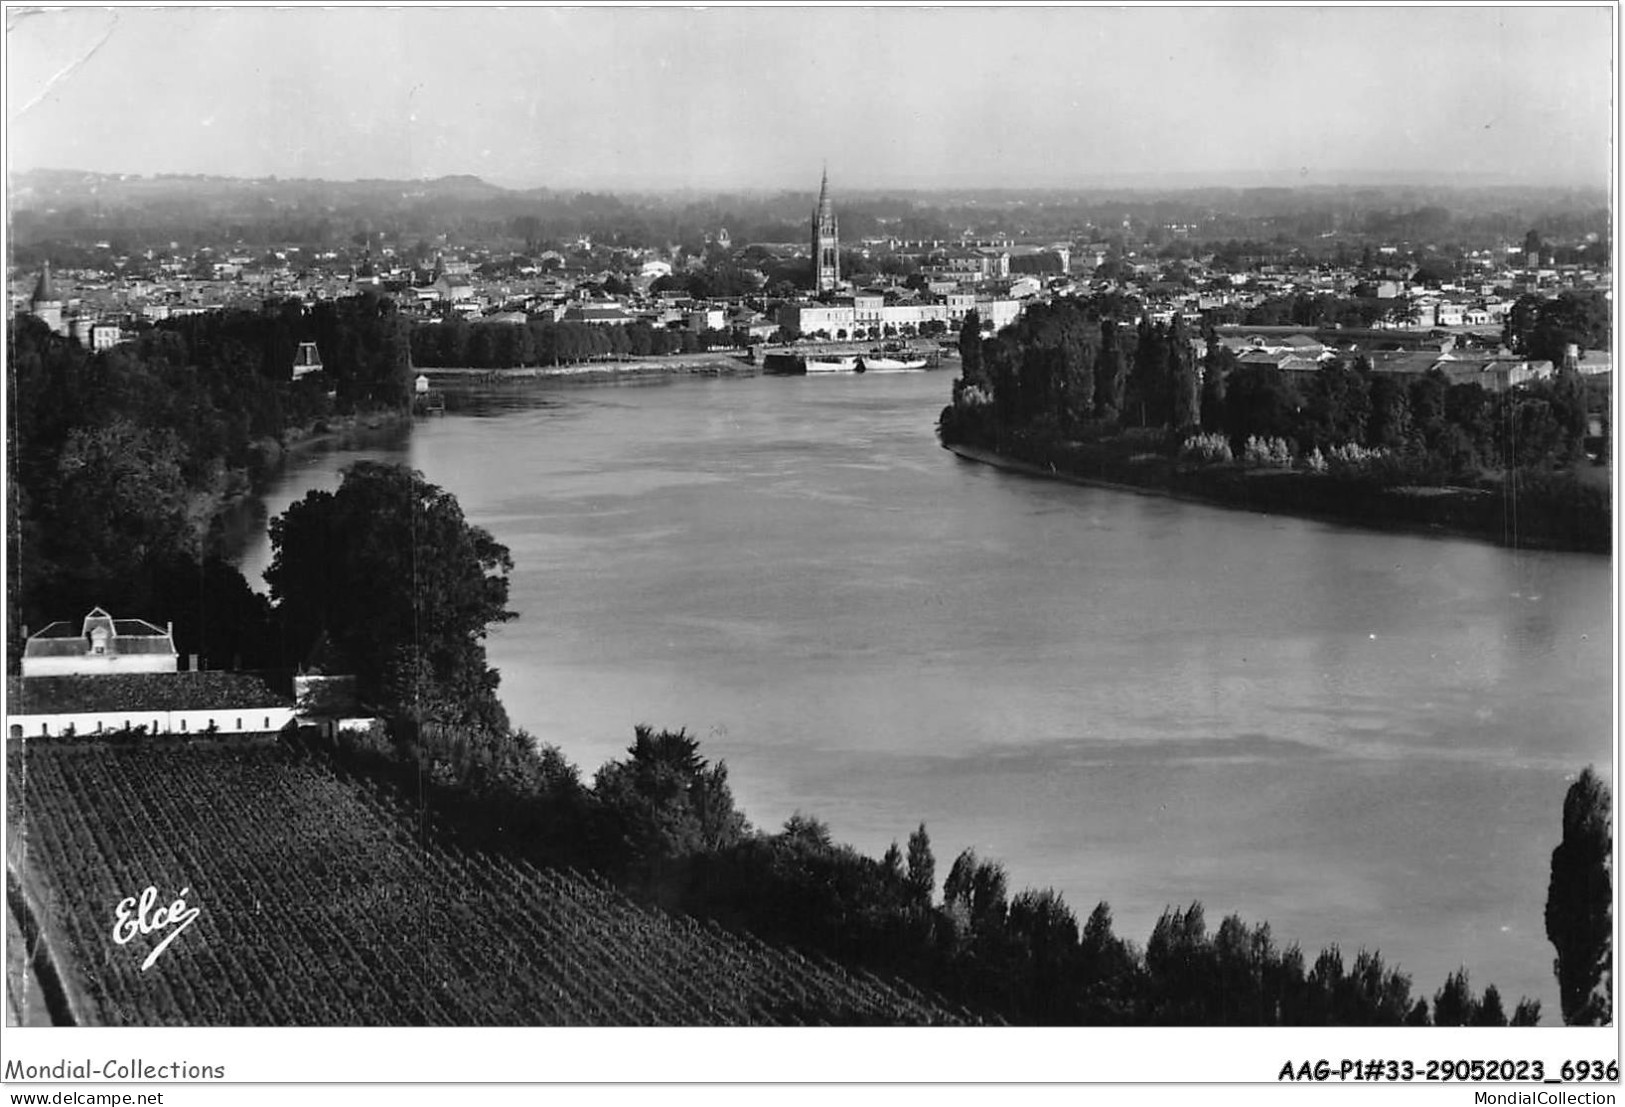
x,y
678,99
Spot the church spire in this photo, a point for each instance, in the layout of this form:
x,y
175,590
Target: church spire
x,y
826,247
45,291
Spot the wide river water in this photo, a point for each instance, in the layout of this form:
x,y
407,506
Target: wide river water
x,y
1362,738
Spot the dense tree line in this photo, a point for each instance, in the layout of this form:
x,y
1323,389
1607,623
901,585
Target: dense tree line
x,y
1321,310
721,280
121,459
457,343
1543,328
1064,372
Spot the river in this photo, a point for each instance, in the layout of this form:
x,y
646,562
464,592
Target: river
x,y
1363,738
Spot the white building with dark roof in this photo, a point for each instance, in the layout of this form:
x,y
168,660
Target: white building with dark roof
x,y
100,646
108,675
158,703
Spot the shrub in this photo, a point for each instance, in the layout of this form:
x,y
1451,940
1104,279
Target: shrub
x,y
1354,458
1271,452
1316,461
1207,449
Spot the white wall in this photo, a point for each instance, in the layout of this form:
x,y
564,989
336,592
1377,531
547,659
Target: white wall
x,y
103,665
243,720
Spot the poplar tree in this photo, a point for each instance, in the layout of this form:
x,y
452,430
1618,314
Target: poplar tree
x,y
922,866
1187,378
970,349
1111,371
1579,903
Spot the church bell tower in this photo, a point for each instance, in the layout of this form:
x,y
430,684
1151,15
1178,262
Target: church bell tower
x,y
826,246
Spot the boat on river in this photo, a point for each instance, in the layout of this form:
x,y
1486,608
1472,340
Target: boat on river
x,y
892,364
789,363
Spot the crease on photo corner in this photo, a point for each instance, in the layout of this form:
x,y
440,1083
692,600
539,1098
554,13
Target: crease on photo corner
x,y
61,75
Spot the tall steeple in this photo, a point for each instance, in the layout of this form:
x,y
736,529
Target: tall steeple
x,y
45,291
46,304
826,244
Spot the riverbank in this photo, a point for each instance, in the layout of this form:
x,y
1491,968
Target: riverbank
x,y
1540,511
711,363
229,517
337,430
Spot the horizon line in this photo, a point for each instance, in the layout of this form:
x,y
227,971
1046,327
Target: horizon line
x,y
1284,180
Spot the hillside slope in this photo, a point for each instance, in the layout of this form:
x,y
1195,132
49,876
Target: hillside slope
x,y
320,904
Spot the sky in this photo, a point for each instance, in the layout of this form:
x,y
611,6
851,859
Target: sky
x,y
754,97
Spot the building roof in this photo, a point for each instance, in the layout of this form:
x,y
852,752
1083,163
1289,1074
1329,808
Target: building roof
x,y
1415,362
77,647
597,314
128,636
1261,357
59,629
139,692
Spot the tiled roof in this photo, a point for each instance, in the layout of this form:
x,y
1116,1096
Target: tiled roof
x,y
59,629
138,692
1403,361
119,646
129,636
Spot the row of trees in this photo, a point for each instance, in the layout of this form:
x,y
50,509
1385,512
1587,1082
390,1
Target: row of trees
x,y
1065,369
457,343
1433,428
1064,372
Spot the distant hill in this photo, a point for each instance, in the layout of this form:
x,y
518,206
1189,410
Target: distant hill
x,y
58,187
56,211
